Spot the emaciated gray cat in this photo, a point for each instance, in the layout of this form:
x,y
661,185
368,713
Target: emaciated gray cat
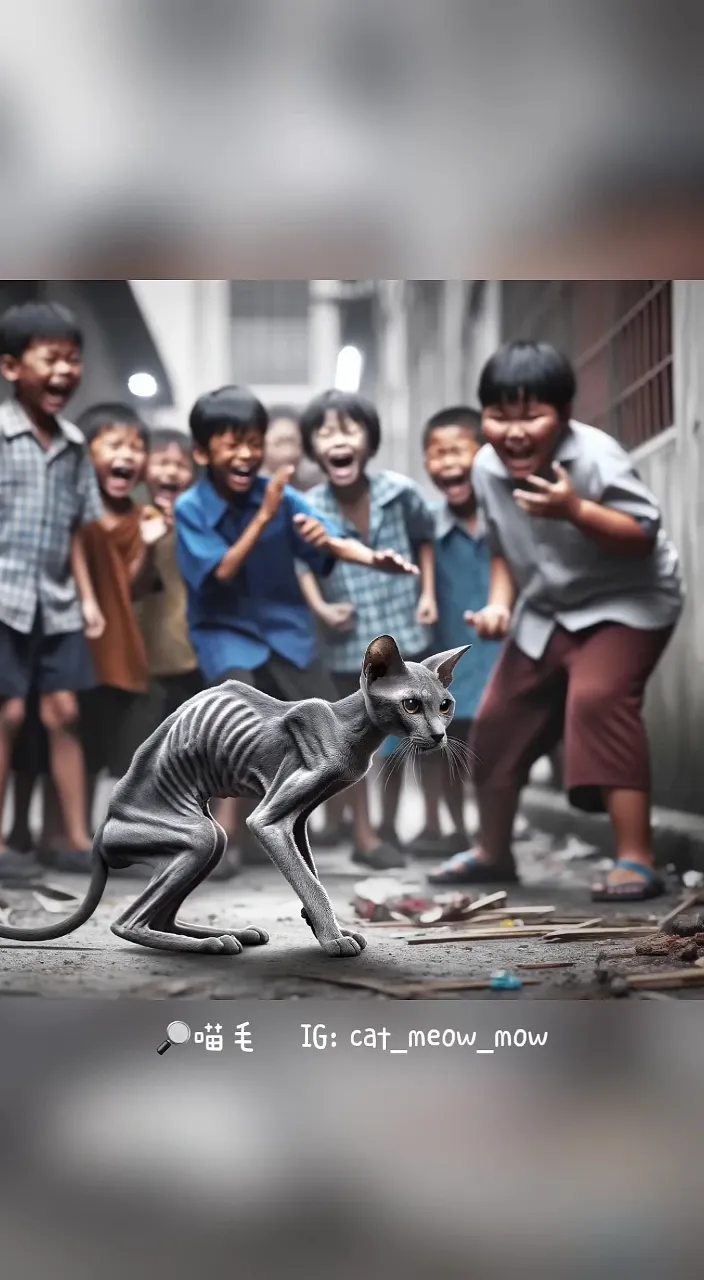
x,y
233,740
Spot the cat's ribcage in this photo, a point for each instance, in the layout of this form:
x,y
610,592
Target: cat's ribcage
x,y
211,750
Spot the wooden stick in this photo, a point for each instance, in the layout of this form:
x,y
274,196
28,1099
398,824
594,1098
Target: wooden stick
x,y
604,931
548,964
489,900
480,935
575,928
667,978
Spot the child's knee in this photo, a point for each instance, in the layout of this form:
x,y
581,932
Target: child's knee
x,y
59,712
12,716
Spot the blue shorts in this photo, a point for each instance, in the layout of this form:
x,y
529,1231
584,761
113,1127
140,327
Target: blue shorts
x,y
43,664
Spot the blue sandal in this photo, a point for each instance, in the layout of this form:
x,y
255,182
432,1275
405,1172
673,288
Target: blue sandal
x,y
652,885
467,868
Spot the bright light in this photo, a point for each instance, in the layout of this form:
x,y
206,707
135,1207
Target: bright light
x,y
143,385
349,369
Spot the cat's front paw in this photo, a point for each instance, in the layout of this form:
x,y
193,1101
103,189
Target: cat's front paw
x,y
349,944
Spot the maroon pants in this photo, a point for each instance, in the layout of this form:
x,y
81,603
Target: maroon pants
x,y
588,687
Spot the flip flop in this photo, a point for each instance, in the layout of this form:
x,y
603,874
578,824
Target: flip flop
x,y
467,868
651,886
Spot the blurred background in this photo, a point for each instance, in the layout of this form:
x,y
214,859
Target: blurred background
x,y
268,139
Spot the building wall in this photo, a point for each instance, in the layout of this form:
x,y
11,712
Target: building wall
x,y
673,466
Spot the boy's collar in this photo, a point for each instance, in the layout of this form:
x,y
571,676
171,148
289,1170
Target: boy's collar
x,y
214,505
446,521
17,422
384,486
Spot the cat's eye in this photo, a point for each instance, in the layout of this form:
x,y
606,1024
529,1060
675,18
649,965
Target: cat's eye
x,y
412,705
446,706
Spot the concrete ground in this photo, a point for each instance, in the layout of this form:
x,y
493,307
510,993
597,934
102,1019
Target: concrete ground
x,y
94,963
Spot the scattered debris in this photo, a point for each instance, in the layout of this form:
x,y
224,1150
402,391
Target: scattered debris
x,y
413,990
576,848
689,953
685,905
377,899
685,926
504,980
619,987
693,880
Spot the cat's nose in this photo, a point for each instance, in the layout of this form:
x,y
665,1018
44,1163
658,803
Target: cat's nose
x,y
437,738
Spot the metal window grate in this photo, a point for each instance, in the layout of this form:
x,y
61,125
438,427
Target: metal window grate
x,y
270,331
618,333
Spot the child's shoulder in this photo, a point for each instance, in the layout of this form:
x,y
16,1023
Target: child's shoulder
x,y
191,502
393,482
592,444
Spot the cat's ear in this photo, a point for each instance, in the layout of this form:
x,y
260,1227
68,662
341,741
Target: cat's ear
x,y
383,658
443,665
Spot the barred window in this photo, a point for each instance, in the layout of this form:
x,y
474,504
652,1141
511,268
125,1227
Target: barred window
x,y
270,332
618,333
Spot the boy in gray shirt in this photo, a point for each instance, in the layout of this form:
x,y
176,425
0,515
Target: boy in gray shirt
x,y
586,586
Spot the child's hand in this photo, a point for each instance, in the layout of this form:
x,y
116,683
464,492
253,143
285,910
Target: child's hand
x,y
311,530
154,526
93,620
392,562
558,501
491,623
427,611
338,617
274,495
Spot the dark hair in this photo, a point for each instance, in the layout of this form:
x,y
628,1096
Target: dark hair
x,y
102,416
278,411
227,409
33,321
528,369
162,437
458,416
347,405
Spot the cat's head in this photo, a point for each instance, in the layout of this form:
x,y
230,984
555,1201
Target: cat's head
x,y
409,699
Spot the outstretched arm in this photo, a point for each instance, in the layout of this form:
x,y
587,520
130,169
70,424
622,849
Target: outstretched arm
x,y
316,535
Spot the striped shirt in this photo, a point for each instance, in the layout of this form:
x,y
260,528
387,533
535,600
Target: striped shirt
x,y
45,495
401,520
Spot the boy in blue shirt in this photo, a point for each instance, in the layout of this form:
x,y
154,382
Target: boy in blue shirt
x,y
451,441
239,536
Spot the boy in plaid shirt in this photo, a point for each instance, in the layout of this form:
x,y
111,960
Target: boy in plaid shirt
x,y
341,432
48,490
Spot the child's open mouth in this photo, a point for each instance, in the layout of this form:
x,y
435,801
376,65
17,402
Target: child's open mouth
x,y
56,394
457,488
121,479
240,478
521,460
342,468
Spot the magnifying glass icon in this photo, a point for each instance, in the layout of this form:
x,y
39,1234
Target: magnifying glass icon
x,y
176,1033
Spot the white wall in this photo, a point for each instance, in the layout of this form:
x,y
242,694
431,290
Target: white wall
x,y
189,323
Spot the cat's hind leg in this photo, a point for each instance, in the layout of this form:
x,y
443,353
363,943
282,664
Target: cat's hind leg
x,y
145,921
249,937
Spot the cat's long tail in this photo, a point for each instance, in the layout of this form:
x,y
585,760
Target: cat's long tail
x,y
96,889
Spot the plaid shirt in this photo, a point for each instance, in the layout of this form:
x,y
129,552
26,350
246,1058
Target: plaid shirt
x,y
400,520
45,495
